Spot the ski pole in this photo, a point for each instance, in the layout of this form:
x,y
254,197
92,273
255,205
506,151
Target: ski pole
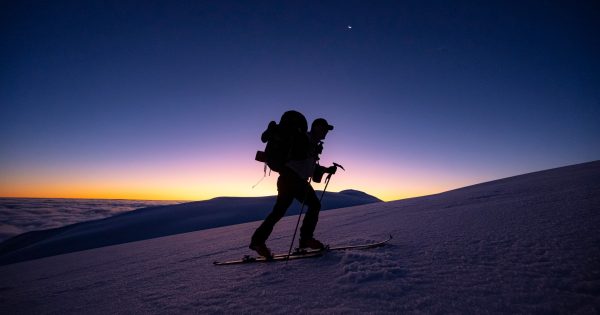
x,y
324,189
304,201
335,165
298,222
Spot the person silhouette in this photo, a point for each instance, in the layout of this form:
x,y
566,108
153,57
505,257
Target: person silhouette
x,y
293,184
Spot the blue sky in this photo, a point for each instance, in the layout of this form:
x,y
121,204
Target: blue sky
x,y
101,97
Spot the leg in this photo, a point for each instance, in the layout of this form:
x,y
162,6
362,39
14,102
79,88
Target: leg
x,y
311,218
284,200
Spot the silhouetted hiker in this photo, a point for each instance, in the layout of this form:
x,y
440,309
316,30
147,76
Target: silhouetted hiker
x,y
295,169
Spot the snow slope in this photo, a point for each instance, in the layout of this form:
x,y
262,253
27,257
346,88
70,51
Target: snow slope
x,y
526,244
157,221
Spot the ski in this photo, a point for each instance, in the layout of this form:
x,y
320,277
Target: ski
x,y
348,247
250,259
298,253
363,246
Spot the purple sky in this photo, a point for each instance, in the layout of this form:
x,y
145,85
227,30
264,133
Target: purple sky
x,y
167,99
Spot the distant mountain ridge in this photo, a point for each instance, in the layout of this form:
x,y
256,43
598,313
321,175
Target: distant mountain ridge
x,y
158,221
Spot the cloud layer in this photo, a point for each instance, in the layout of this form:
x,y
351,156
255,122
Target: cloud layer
x,y
20,215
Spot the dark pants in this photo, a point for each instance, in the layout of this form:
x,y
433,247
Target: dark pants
x,y
290,186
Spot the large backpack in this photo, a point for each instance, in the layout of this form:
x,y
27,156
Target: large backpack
x,y
284,140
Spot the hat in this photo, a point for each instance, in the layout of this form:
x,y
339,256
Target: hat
x,y
322,122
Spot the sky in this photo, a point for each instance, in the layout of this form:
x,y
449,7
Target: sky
x,y
167,99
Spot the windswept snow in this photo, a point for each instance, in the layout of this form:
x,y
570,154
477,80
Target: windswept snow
x,y
526,244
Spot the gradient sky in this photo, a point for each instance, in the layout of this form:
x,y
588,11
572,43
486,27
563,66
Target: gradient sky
x,y
167,99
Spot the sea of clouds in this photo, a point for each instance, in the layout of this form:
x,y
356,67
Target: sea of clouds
x,y
20,215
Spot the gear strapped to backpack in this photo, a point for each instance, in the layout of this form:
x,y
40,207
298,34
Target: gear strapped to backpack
x,y
284,140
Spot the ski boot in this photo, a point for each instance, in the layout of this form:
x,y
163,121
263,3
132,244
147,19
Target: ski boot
x,y
311,243
262,250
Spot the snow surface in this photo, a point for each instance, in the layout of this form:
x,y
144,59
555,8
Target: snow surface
x,y
526,244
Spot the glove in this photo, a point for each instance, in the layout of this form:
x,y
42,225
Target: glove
x,y
318,173
331,169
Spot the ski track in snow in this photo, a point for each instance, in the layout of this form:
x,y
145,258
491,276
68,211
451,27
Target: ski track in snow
x,y
526,244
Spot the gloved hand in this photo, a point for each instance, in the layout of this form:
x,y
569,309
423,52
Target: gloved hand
x,y
331,170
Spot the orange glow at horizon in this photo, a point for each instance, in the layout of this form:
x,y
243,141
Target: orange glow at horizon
x,y
194,180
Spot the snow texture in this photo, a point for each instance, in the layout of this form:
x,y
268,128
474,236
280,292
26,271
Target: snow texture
x,y
526,244
157,221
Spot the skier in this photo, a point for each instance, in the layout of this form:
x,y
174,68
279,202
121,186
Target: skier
x,y
293,183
